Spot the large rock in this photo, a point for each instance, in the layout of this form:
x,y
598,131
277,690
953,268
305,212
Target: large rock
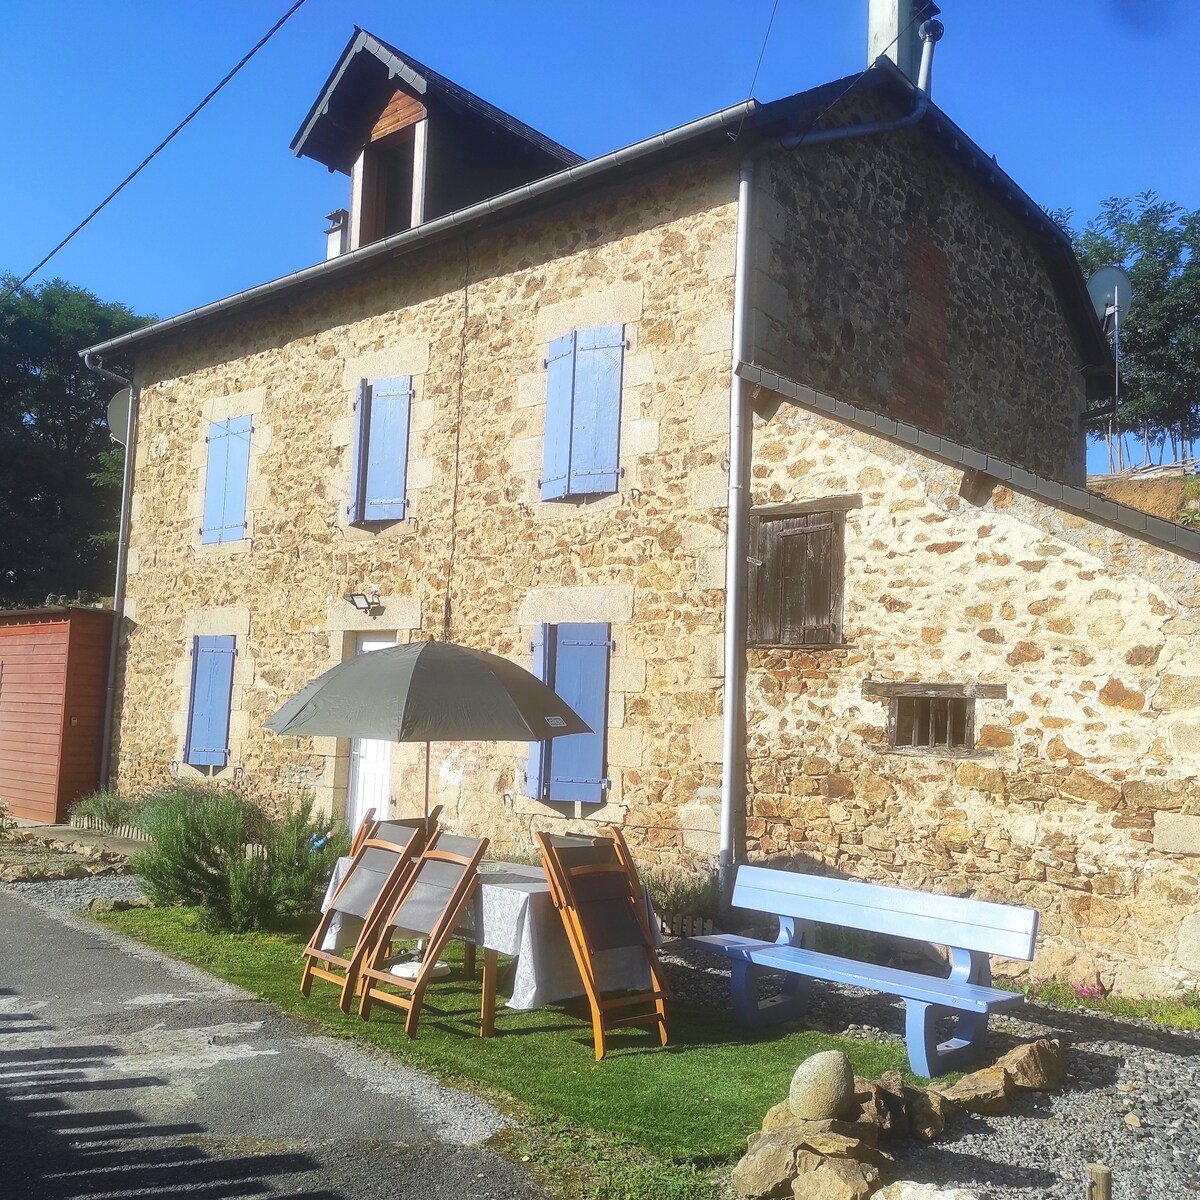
x,y
927,1113
769,1167
780,1118
988,1091
1039,1066
822,1087
902,1189
835,1179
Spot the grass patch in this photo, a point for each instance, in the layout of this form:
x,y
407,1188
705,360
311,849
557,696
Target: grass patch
x,y
662,1117
1181,1011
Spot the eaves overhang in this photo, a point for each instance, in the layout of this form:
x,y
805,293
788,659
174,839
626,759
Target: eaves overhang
x,y
362,81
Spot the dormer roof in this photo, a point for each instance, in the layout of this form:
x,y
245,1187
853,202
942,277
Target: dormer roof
x,y
366,77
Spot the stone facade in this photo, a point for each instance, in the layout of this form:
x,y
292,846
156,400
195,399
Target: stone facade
x,y
1082,798
472,325
889,281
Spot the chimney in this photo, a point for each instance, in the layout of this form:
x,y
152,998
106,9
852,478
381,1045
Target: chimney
x,y
894,30
337,236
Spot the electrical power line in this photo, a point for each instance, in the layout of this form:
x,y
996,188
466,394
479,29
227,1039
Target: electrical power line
x,y
762,52
12,289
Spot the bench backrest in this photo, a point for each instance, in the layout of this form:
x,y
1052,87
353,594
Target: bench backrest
x,y
1002,929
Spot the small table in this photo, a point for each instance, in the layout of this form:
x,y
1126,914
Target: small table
x,y
512,913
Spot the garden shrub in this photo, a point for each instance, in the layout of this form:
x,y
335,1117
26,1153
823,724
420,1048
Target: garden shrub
x,y
108,809
216,850
676,891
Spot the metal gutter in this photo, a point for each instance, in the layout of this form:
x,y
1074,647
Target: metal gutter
x,y
400,242
114,643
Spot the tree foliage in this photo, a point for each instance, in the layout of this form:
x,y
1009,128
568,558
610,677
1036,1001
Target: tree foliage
x,y
52,436
1158,243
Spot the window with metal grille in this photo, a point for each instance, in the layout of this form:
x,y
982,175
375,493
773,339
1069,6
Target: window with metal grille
x,y
933,722
797,570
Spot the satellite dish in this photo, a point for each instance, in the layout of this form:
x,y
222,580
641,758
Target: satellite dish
x,y
118,416
1111,291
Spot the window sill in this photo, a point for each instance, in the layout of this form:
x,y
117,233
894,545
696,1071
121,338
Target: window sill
x,y
937,752
807,647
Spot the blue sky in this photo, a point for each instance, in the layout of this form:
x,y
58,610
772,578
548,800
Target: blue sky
x,y
1078,100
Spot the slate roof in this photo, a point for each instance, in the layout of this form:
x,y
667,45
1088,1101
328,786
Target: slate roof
x,y
745,123
1077,500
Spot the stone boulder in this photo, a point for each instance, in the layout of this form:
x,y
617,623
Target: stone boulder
x,y
768,1168
822,1087
835,1179
927,1112
987,1092
1039,1066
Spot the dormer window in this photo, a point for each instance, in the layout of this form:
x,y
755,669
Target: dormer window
x,y
387,182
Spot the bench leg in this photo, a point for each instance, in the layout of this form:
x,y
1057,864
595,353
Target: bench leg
x,y
930,1058
750,1011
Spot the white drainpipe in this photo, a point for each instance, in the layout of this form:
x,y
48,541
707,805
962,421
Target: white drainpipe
x,y
741,438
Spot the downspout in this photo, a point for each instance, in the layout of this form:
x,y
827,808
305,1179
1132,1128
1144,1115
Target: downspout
x,y
733,739
92,362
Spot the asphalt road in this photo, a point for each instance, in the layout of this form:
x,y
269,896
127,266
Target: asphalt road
x,y
124,1073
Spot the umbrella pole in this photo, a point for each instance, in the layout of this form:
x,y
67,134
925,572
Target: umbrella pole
x,y
427,782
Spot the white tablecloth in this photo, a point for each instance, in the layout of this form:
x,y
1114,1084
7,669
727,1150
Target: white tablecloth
x,y
512,912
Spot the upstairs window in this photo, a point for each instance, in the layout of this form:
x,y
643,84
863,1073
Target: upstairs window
x,y
225,478
208,707
379,470
796,576
583,413
573,658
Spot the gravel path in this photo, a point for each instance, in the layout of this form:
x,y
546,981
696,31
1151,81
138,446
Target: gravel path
x,y
1133,1100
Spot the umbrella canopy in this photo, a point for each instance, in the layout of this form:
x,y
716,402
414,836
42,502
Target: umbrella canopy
x,y
428,692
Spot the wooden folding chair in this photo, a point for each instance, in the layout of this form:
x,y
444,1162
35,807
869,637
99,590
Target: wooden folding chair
x,y
383,854
595,887
429,905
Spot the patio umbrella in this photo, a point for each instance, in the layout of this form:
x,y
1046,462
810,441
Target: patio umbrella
x,y
428,692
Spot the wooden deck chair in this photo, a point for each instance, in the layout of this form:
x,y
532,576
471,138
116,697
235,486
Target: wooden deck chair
x,y
429,905
596,890
383,854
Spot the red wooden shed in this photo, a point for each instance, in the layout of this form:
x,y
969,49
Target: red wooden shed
x,y
53,675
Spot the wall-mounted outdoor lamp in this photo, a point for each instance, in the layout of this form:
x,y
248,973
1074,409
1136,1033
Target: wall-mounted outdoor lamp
x,y
366,602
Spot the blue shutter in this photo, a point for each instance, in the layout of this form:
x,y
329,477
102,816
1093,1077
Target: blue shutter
x,y
212,688
225,480
596,413
581,679
387,450
560,388
358,462
539,752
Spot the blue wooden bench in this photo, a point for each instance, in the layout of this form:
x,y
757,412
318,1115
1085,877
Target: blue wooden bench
x,y
971,930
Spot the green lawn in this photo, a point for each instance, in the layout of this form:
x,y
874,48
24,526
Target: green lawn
x,y
690,1104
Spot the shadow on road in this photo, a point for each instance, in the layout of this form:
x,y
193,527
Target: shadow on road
x,y
57,1152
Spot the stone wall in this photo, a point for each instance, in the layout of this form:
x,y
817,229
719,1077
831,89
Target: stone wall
x,y
887,277
471,322
1083,797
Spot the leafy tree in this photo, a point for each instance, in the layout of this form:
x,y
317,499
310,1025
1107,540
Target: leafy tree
x,y
52,436
1158,243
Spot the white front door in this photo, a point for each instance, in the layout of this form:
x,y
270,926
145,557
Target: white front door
x,y
370,782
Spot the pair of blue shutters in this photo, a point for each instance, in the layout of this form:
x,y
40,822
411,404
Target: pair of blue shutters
x,y
379,472
573,660
583,413
225,480
212,690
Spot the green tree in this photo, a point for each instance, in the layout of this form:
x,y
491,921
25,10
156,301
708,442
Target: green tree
x,y
1158,243
56,493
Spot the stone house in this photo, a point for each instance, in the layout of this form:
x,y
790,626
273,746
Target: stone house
x,y
523,402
